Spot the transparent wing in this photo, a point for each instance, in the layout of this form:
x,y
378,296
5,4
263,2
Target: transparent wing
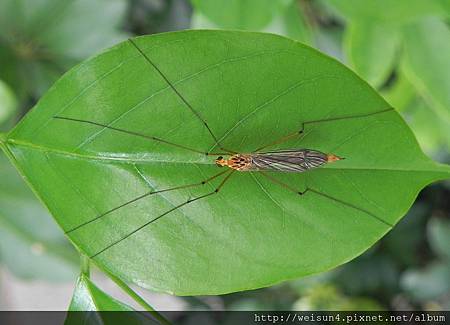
x,y
295,161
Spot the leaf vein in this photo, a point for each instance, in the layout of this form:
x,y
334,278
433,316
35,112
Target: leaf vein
x,y
268,102
162,90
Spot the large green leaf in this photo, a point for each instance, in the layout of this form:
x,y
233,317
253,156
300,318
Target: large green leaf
x,y
251,88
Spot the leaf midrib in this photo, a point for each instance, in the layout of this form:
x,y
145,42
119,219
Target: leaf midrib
x,y
184,162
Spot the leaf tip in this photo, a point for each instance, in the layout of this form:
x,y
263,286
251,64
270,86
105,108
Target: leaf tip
x,y
444,169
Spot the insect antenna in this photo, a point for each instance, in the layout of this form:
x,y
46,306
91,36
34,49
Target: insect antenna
x,y
148,137
302,129
311,190
144,196
218,188
175,90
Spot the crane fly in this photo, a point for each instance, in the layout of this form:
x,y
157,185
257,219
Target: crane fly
x,y
291,161
261,161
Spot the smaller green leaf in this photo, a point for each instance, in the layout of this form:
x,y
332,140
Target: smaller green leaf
x,y
88,297
401,93
289,21
371,49
8,102
240,14
439,237
330,41
399,11
431,131
427,63
292,23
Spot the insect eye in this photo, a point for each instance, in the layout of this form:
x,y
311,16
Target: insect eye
x,y
220,158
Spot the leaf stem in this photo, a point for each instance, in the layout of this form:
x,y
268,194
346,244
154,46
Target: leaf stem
x,y
2,140
137,298
85,267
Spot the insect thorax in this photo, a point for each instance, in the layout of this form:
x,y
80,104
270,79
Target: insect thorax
x,y
240,162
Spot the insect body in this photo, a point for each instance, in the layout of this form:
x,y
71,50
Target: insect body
x,y
295,161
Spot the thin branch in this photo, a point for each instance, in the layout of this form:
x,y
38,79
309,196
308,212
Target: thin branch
x,y
137,298
2,138
85,265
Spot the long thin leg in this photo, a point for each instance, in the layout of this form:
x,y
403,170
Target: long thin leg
x,y
148,137
144,196
218,188
175,90
309,189
302,129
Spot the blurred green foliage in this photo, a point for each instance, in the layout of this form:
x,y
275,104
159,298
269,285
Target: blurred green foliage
x,y
401,47
40,39
31,245
398,48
